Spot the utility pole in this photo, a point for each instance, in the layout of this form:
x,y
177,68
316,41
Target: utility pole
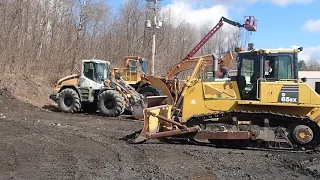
x,y
155,25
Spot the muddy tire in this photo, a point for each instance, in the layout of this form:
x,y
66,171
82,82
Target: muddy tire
x,y
150,90
69,101
111,103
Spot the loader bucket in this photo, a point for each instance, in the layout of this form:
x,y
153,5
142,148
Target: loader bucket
x,y
157,124
151,101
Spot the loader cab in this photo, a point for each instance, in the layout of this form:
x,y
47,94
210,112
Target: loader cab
x,y
94,73
137,65
257,66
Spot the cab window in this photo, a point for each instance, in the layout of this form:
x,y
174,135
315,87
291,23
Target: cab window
x,y
88,71
247,71
284,67
133,65
278,67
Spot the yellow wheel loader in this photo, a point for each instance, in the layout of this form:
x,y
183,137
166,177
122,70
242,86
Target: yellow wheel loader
x,y
264,105
95,89
133,68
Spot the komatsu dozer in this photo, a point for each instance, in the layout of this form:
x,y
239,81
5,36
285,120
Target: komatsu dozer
x,y
264,105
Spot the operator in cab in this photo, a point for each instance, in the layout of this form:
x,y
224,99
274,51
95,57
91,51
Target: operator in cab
x,y
270,69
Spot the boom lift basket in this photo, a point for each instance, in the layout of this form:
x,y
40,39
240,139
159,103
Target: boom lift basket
x,y
250,23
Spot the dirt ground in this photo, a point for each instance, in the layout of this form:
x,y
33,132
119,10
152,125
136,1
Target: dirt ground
x,y
41,144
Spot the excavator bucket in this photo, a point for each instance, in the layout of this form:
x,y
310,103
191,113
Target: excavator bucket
x,y
157,124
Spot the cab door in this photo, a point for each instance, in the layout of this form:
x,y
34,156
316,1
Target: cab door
x,y
278,86
87,75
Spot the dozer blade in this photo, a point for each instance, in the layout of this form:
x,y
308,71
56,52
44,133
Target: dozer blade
x,y
150,101
157,124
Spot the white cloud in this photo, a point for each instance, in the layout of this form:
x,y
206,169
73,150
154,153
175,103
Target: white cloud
x,y
199,12
310,53
312,25
184,11
277,2
287,2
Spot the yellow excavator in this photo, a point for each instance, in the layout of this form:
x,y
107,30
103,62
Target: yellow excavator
x,y
264,105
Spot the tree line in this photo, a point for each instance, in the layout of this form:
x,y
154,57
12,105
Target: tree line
x,y
311,65
49,37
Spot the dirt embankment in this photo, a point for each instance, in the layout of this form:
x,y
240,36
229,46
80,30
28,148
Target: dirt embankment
x,y
30,89
39,144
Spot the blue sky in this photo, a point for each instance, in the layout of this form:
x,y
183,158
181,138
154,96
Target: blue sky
x,y
281,23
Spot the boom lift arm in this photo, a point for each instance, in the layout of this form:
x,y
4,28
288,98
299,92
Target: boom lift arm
x,y
250,25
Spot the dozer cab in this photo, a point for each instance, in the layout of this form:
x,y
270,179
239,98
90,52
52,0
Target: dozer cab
x,y
264,105
95,89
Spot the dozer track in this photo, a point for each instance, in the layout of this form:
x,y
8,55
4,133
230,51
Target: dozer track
x,y
268,130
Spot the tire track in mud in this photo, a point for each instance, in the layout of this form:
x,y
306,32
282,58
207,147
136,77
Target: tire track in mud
x,y
34,156
308,167
55,151
123,165
135,163
235,164
129,163
65,146
7,160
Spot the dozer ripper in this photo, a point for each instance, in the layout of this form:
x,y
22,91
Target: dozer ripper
x,y
264,105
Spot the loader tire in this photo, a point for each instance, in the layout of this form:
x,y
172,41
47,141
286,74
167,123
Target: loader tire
x,y
69,101
150,90
111,103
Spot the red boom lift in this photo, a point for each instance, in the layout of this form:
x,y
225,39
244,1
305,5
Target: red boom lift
x,y
250,23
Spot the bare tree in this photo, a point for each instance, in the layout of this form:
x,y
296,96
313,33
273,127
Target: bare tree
x,y
47,38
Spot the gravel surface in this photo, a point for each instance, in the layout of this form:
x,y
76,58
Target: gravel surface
x,y
41,144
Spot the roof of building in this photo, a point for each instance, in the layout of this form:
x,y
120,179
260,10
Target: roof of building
x,y
309,74
273,50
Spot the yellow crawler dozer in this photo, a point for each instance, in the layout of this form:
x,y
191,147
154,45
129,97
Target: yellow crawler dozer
x,y
264,105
